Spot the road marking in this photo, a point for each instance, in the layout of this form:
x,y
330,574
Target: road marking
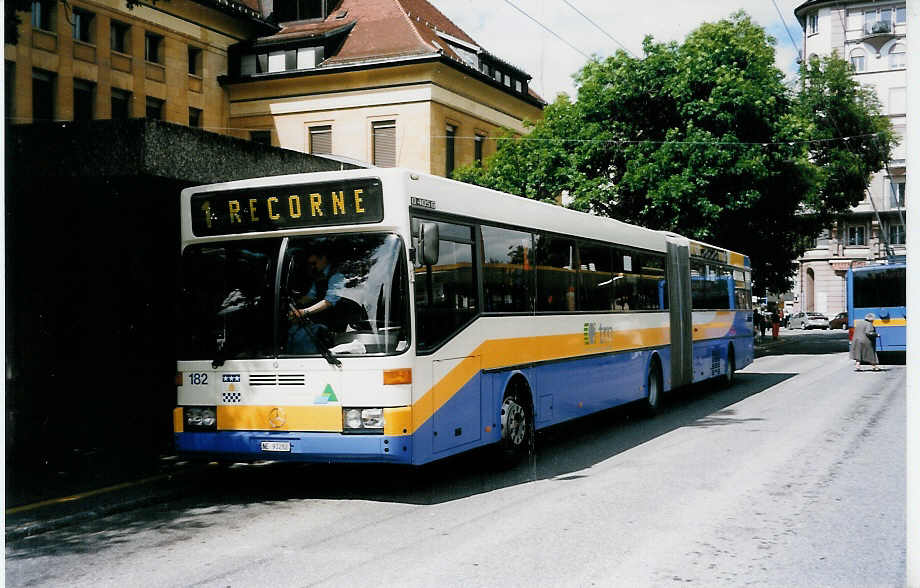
x,y
81,495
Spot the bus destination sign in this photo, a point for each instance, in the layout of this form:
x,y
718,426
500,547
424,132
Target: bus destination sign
x,y
287,207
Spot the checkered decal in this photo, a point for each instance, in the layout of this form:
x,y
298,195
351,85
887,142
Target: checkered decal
x,y
231,397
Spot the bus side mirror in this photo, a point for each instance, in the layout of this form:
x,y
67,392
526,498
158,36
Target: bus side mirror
x,y
428,244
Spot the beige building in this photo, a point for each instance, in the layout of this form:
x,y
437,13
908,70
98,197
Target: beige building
x,y
871,35
387,82
97,59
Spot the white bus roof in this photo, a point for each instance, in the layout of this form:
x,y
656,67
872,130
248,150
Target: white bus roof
x,y
445,196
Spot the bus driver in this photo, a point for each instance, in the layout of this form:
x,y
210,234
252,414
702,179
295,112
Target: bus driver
x,y
320,300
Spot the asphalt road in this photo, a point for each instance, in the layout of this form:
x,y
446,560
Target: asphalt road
x,y
795,476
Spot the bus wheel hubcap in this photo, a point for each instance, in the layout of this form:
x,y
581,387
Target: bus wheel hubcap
x,y
514,422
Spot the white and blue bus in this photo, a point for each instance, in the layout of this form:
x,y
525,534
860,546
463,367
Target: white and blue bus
x,y
442,317
881,289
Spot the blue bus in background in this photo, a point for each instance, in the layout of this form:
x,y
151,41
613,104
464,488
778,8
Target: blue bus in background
x,y
882,290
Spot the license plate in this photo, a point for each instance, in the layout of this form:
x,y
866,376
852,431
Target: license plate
x,y
276,446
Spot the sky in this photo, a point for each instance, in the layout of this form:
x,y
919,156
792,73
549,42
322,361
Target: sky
x,y
504,31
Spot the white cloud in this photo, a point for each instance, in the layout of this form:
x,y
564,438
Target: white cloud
x,y
504,31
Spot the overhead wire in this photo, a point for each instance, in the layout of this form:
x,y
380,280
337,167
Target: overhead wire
x,y
547,29
598,27
785,26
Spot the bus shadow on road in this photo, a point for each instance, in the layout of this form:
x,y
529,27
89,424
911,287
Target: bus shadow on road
x,y
205,496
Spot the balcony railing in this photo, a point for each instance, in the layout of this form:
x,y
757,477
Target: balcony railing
x,y
880,27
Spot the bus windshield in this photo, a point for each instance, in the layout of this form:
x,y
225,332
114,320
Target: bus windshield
x,y
880,287
237,298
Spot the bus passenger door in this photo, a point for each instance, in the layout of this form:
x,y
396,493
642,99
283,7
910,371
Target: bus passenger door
x,y
678,273
457,400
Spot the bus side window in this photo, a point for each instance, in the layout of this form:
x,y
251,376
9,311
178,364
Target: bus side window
x,y
595,278
446,295
556,270
507,268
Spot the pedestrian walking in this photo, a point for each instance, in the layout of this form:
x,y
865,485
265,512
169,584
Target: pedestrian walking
x,y
774,318
862,348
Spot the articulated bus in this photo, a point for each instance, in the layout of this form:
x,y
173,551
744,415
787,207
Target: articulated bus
x,y
441,317
882,290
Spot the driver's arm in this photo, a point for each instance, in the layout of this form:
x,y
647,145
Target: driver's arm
x,y
313,309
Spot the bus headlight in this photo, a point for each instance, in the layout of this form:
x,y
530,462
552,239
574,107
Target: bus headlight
x,y
200,418
362,420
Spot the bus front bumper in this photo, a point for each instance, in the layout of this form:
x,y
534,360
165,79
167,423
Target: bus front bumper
x,y
294,446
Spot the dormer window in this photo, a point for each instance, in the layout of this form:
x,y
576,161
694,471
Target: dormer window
x,y
290,10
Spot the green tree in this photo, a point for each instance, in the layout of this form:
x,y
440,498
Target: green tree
x,y
832,105
702,138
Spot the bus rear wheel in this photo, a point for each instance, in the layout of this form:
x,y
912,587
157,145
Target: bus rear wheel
x,y
730,367
655,389
516,425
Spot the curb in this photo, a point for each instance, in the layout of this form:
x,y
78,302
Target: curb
x,y
37,527
154,493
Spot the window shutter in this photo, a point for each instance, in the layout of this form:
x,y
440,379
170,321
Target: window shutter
x,y
385,143
321,140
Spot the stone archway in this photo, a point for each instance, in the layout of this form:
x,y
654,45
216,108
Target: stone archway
x,y
809,290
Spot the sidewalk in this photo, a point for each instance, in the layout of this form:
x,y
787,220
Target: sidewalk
x,y
39,503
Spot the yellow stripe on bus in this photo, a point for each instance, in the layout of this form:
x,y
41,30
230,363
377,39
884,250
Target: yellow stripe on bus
x,y
491,354
897,322
323,418
501,353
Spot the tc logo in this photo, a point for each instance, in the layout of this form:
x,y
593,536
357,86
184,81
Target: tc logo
x,y
277,418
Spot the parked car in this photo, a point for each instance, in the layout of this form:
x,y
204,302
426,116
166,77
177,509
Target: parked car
x,y
808,320
839,321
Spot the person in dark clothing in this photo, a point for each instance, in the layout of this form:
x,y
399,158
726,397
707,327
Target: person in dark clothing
x,y
318,305
862,349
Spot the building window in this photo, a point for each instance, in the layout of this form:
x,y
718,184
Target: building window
x,y
897,235
897,100
288,10
507,80
518,87
812,23
900,15
897,193
153,48
9,89
261,137
321,140
856,235
194,61
154,108
43,91
83,99
194,117
858,60
121,103
897,56
478,141
877,21
43,14
384,143
83,25
450,136
309,57
118,36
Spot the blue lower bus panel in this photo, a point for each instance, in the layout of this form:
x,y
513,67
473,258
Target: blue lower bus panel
x,y
294,446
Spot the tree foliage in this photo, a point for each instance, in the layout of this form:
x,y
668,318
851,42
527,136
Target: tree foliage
x,y
703,138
